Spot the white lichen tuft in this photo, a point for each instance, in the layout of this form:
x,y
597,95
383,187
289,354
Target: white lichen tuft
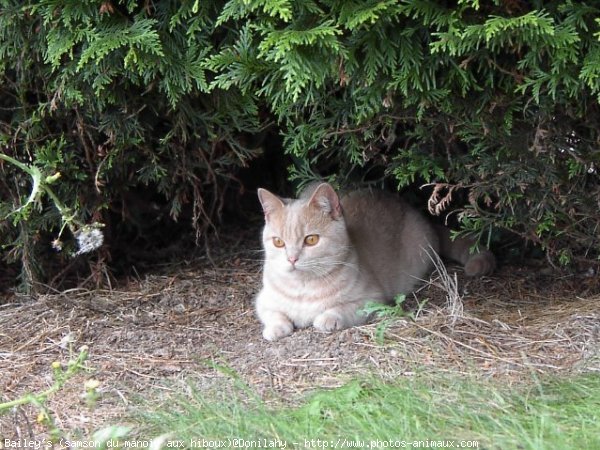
x,y
89,238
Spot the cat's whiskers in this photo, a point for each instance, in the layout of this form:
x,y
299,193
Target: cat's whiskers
x,y
325,266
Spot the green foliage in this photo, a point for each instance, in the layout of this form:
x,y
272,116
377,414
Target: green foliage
x,y
500,99
416,411
157,101
62,375
113,96
388,314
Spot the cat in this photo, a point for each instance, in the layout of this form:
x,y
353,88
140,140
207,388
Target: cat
x,y
326,257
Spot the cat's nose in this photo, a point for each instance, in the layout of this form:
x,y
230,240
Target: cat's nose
x,y
292,259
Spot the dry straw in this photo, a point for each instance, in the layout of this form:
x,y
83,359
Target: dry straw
x,y
160,333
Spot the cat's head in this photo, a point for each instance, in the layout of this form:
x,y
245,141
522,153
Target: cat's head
x,y
307,236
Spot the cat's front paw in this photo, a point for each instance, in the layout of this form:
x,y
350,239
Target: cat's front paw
x,y
277,331
329,321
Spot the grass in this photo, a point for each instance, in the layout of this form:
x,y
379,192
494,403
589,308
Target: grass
x,y
549,414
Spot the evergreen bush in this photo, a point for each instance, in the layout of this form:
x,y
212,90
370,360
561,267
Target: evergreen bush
x,y
497,101
113,97
141,105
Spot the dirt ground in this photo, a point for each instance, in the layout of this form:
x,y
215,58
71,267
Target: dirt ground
x,y
171,328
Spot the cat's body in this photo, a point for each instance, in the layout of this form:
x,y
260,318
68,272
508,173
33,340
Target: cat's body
x,y
326,257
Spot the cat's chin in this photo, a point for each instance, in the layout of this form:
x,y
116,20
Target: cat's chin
x,y
295,272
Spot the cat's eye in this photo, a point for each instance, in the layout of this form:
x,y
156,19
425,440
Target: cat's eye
x,y
278,242
311,239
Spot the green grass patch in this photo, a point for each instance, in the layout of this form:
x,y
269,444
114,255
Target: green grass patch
x,y
417,412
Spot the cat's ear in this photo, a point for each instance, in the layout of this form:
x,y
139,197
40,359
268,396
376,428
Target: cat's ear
x,y
270,202
326,199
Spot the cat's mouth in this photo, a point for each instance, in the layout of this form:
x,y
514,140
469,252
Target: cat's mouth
x,y
296,268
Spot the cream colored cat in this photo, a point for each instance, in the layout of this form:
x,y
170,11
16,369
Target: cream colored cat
x,y
326,257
